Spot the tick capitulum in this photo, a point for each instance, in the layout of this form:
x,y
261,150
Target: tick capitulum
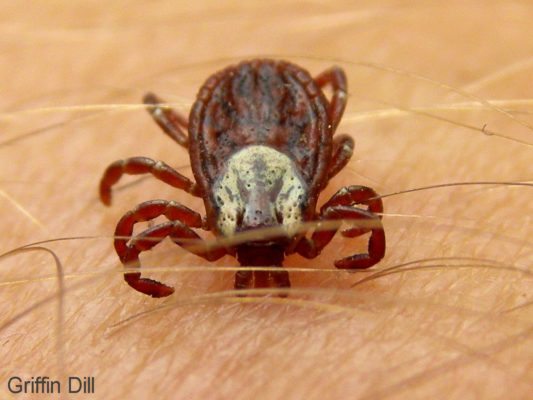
x,y
260,139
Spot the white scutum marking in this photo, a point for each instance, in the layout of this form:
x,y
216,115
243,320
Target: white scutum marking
x,y
279,173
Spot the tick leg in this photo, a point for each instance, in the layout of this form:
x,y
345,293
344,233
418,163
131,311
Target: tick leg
x,y
143,165
376,244
340,206
346,196
350,196
178,229
171,122
335,77
356,194
342,152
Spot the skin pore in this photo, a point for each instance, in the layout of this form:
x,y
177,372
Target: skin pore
x,y
455,325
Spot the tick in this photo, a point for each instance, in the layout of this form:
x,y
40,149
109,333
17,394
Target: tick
x,y
261,146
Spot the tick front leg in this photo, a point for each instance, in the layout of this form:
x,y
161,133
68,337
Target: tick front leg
x,y
350,196
144,165
178,229
376,243
335,77
356,194
341,206
342,152
171,122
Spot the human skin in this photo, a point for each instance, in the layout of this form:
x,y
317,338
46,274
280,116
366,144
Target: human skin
x,y
448,328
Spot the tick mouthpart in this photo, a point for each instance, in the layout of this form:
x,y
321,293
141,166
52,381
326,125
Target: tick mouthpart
x,y
265,254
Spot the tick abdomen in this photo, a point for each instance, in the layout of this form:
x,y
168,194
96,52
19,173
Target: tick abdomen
x,y
260,102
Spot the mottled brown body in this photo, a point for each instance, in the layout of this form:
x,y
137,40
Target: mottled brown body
x,y
261,102
260,138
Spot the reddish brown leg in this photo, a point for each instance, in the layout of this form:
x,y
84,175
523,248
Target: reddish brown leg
x,y
335,77
143,165
342,152
355,194
178,229
340,206
351,195
171,122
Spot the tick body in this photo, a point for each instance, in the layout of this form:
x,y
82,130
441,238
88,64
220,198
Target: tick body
x,y
261,145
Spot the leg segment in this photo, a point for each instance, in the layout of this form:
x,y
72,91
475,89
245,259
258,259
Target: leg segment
x,y
178,229
335,77
171,122
351,195
342,152
340,206
143,165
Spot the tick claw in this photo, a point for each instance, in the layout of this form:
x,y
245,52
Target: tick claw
x,y
151,288
105,198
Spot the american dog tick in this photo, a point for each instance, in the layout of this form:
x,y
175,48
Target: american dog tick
x,y
261,149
